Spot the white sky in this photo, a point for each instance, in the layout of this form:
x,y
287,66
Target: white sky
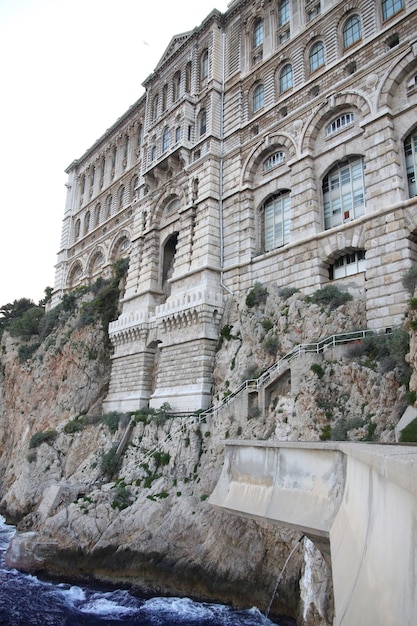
x,y
68,70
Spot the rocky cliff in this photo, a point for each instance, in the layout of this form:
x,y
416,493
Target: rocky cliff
x,y
124,497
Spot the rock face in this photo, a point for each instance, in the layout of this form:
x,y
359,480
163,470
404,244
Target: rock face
x,y
141,516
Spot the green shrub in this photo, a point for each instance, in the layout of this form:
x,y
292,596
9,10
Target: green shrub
x,y
267,324
225,332
26,351
73,426
326,432
413,304
411,397
409,280
287,292
161,458
256,296
317,369
31,457
109,462
409,433
28,324
46,436
111,420
123,497
270,345
330,296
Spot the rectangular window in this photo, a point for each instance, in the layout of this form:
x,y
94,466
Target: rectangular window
x,y
391,7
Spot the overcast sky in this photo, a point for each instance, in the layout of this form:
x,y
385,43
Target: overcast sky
x,y
69,69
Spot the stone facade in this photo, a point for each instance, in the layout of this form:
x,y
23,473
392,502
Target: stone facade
x,y
275,143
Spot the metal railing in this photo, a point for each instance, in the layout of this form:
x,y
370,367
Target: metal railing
x,y
254,384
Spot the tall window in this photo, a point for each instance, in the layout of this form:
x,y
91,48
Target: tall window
x,y
344,193
103,168
203,123
109,202
391,7
258,32
316,56
127,143
87,222
97,214
258,98
277,220
177,134
121,197
114,158
204,64
165,139
410,148
135,187
164,97
285,78
77,230
155,108
176,84
352,31
140,134
283,12
188,77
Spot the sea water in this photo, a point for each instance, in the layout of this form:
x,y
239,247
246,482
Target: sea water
x,y
26,600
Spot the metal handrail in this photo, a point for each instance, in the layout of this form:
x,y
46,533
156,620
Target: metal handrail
x,y
296,352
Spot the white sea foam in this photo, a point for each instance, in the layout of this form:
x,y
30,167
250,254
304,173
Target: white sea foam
x,y
100,605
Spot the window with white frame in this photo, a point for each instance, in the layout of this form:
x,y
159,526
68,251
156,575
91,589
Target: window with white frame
x,y
258,32
285,78
273,160
410,149
344,193
258,98
316,56
165,139
277,220
203,123
340,122
391,7
352,31
348,265
204,67
283,12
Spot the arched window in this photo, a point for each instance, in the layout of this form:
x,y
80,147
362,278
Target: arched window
x,y
410,149
165,139
203,123
96,262
109,202
77,230
164,97
97,215
87,222
188,77
168,263
274,159
348,265
277,220
155,108
258,98
344,193
258,32
340,122
352,31
135,187
316,56
204,64
121,197
391,7
283,12
176,85
285,78
172,206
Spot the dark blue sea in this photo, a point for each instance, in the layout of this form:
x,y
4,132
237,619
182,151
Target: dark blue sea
x,y
25,600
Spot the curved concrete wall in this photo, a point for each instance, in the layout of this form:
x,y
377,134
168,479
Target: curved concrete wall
x,y
357,502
